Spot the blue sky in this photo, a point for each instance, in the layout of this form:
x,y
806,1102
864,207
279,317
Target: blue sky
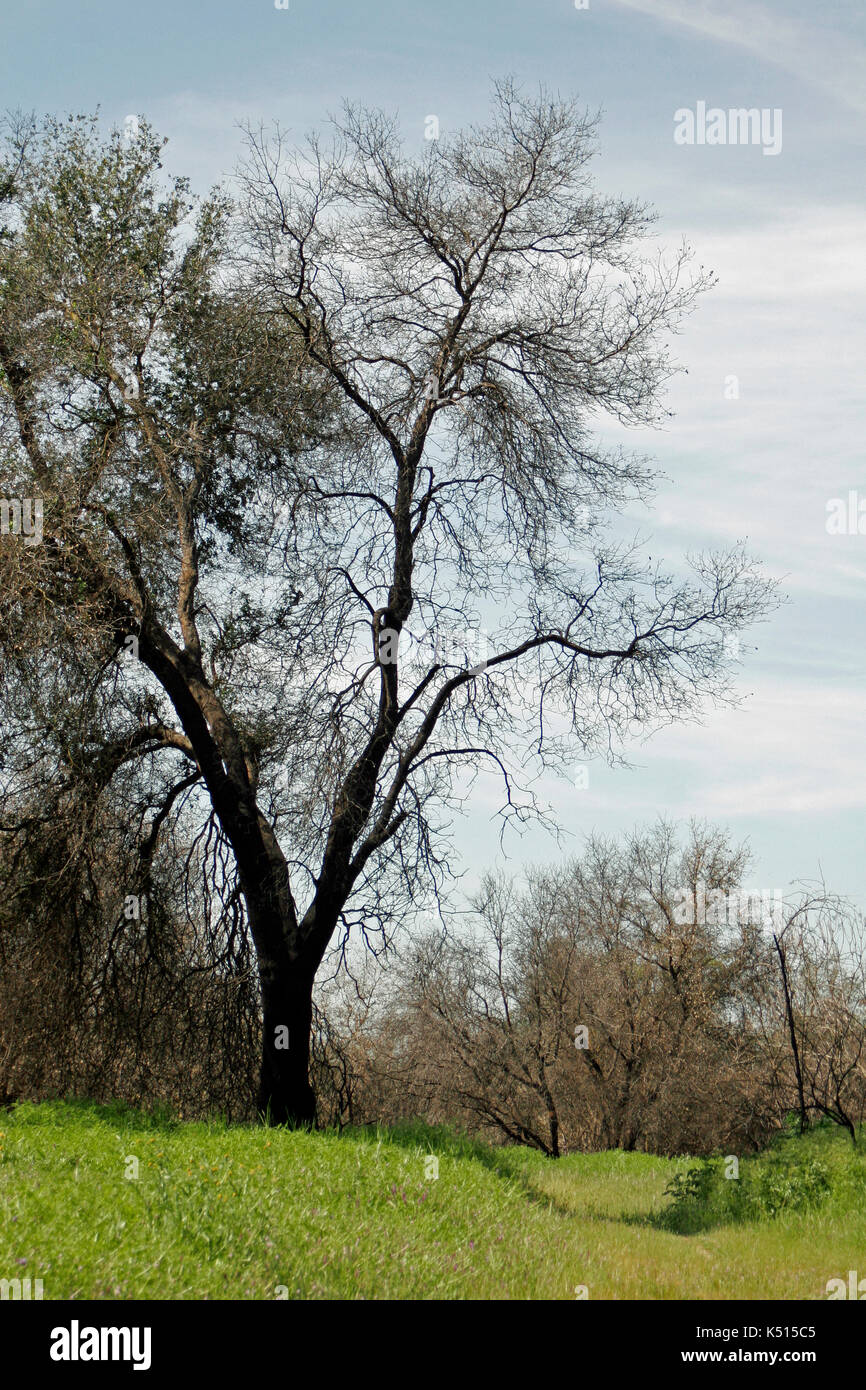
x,y
786,235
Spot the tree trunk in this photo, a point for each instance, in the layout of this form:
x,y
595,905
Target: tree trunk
x,y
552,1119
286,969
789,1016
289,954
286,975
285,1095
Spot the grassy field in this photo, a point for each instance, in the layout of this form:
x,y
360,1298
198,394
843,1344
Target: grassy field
x,y
247,1213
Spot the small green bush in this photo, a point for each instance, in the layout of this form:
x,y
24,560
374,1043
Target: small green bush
x,y
704,1196
692,1186
790,1185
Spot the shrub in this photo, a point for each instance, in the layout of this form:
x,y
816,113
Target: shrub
x,y
703,1195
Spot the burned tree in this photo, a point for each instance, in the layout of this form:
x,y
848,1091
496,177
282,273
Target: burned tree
x,y
296,458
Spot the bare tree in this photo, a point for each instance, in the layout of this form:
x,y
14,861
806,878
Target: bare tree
x,y
264,444
589,1010
495,1012
822,964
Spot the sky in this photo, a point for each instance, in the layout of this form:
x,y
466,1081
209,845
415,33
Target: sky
x,y
768,417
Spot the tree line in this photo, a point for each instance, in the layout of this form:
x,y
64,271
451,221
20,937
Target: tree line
x,y
579,1008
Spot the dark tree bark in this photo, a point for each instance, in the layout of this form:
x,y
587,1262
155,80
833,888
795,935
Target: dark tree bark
x,y
285,1093
792,1034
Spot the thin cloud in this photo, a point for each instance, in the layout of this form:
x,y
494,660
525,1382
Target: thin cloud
x,y
834,62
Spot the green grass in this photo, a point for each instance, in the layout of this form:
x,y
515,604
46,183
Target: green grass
x,y
238,1212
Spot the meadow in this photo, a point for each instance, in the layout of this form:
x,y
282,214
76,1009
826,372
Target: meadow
x,y
108,1202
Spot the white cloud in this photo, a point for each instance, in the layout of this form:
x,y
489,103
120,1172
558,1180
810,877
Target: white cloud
x,y
785,321
791,750
834,62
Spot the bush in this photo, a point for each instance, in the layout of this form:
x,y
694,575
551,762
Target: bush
x,y
703,1195
790,1185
